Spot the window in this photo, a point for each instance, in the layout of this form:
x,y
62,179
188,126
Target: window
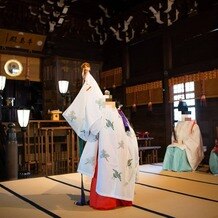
x,y
186,92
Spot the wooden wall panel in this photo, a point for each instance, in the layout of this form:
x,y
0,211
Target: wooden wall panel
x,y
111,78
144,93
208,87
157,95
130,99
142,97
31,67
211,88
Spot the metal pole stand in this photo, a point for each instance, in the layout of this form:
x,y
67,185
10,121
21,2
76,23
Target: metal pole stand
x,y
82,201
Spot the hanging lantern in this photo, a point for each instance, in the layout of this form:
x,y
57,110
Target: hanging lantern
x,y
2,82
23,118
63,86
2,86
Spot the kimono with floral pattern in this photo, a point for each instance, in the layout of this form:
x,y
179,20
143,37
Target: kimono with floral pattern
x,y
107,142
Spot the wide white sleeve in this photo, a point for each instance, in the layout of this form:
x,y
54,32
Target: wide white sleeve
x,y
194,147
84,114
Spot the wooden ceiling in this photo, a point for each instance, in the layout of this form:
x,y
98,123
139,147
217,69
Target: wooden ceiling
x,y
96,21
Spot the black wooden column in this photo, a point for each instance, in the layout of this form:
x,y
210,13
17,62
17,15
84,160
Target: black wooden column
x,y
125,76
2,152
125,64
11,151
167,58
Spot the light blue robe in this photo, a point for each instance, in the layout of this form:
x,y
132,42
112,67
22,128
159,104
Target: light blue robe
x,y
186,153
213,162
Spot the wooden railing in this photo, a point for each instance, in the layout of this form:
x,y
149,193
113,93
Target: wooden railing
x,y
47,147
50,147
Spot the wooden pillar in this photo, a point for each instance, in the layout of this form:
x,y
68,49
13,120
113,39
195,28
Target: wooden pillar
x,y
125,70
126,64
2,152
167,58
11,153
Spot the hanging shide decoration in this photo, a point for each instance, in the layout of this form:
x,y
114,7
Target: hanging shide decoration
x,y
150,102
149,106
114,85
203,96
134,106
105,83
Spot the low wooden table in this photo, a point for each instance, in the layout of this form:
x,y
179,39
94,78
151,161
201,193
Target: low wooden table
x,y
150,153
144,141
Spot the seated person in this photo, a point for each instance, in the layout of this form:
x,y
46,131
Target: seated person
x,y
213,161
186,150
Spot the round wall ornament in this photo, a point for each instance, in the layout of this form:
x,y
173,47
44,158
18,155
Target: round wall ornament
x,y
13,67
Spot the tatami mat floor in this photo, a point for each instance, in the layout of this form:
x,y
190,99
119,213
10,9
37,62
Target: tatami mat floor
x,y
158,194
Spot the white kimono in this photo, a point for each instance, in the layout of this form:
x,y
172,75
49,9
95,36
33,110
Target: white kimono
x,y
107,142
189,139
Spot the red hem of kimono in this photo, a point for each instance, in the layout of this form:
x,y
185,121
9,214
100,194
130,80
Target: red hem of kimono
x,y
101,202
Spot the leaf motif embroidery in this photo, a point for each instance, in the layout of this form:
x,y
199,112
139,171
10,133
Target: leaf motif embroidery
x,y
109,124
100,103
104,154
129,163
83,131
121,144
72,116
90,161
116,174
